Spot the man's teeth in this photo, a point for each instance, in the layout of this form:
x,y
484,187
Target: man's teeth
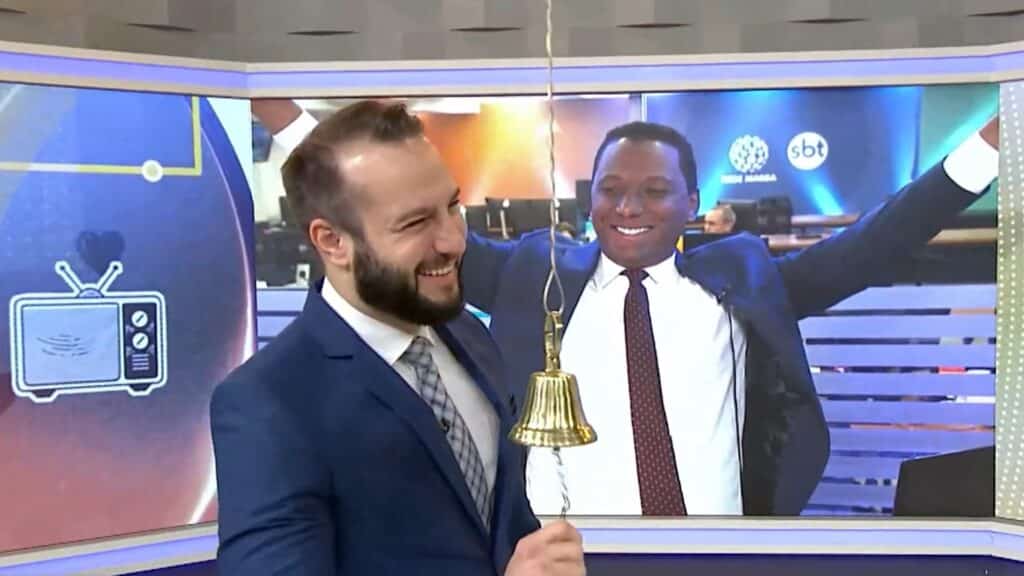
x,y
439,271
632,231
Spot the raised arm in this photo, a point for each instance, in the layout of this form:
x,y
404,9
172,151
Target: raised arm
x,y
273,508
286,122
482,268
275,114
882,242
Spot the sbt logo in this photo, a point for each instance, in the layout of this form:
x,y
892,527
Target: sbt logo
x,y
807,150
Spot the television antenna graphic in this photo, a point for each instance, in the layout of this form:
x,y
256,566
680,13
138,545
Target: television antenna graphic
x,y
81,290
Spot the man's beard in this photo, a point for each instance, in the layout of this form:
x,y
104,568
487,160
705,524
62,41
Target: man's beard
x,y
391,290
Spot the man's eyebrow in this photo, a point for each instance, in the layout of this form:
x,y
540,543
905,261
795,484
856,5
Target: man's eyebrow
x,y
423,210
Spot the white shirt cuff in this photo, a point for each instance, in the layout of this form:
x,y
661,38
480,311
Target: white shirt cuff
x,y
973,165
292,135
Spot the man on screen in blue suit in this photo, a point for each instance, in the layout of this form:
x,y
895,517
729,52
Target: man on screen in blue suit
x,y
720,417
370,437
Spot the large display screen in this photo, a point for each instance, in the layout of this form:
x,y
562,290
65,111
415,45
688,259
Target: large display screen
x,y
904,370
126,243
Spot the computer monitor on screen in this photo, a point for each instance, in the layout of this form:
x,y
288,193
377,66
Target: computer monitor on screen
x,y
568,211
535,213
528,215
583,197
948,485
287,216
476,218
496,216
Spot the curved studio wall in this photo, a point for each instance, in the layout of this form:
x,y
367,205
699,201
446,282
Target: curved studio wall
x,y
147,165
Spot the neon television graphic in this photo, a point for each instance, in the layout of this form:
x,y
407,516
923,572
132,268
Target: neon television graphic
x,y
88,340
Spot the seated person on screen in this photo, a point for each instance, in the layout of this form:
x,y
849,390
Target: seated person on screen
x,y
566,230
728,400
720,220
370,437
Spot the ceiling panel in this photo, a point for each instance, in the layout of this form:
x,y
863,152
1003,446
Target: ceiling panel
x,y
359,30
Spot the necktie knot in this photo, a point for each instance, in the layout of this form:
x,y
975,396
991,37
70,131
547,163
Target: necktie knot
x,y
635,275
418,353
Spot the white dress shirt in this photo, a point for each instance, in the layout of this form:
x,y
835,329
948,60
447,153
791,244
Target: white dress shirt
x,y
296,131
390,343
695,361
696,367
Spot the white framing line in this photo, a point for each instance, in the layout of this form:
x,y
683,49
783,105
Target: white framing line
x,y
113,545
246,69
988,537
682,84
119,56
458,64
645,60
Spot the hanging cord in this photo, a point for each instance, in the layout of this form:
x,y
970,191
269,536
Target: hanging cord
x,y
553,277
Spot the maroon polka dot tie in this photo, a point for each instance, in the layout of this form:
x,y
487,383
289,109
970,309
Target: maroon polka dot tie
x,y
660,493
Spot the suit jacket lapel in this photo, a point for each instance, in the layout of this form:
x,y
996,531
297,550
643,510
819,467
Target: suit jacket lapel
x,y
366,368
466,359
577,266
698,267
497,397
711,267
384,383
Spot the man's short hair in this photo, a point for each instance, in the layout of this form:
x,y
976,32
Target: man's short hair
x,y
651,132
566,228
313,180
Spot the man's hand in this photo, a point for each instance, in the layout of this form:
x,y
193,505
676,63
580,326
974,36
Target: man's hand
x,y
275,114
990,132
554,550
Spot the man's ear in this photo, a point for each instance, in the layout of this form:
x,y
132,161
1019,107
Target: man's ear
x,y
333,245
693,203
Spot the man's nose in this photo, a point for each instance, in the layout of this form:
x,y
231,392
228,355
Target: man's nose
x,y
629,205
451,237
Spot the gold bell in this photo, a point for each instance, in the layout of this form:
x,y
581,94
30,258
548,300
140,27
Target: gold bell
x,y
552,414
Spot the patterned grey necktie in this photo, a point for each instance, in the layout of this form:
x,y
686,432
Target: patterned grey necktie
x,y
433,392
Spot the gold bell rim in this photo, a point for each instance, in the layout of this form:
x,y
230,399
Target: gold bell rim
x,y
548,438
552,413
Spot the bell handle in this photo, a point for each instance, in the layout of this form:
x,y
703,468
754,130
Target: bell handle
x,y
552,339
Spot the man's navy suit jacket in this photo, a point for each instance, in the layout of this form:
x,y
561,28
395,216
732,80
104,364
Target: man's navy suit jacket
x,y
329,463
785,439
